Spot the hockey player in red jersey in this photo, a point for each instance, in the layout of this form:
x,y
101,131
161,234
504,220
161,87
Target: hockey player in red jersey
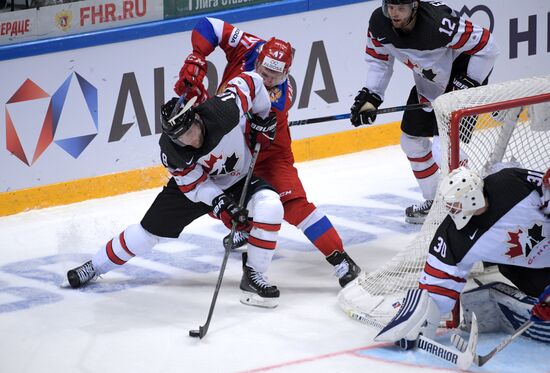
x,y
499,219
205,151
272,60
445,52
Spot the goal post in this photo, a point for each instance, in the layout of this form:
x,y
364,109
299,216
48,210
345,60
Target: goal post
x,y
485,128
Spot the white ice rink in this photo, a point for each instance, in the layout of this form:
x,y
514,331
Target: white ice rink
x,y
137,319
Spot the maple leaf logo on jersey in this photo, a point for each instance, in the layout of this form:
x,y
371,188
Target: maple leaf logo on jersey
x,y
211,162
522,242
226,168
229,164
429,74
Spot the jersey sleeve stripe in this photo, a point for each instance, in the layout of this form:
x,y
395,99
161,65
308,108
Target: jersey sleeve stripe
x,y
468,28
440,290
371,52
482,42
184,171
189,187
251,86
203,37
242,97
441,274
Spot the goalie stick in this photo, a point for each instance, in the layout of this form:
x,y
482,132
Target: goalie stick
x,y
481,360
463,359
387,110
228,246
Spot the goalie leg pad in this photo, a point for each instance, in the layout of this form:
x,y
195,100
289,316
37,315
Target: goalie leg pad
x,y
417,315
501,307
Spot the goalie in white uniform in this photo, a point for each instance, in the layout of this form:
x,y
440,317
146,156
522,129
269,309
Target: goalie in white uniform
x,y
502,219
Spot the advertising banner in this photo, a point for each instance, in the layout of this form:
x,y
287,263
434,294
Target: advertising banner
x,y
73,18
184,8
94,111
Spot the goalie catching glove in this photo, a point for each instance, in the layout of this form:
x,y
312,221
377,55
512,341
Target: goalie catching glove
x,y
363,110
417,315
228,212
261,131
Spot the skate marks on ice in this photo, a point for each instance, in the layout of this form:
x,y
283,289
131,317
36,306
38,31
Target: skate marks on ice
x,y
197,253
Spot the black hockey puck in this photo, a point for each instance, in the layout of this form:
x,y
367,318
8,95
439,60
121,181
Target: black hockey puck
x,y
194,333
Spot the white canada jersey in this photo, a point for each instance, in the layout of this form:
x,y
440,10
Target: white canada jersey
x,y
429,50
513,231
224,158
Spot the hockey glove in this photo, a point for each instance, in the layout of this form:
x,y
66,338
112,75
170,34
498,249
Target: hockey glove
x,y
464,82
261,131
541,310
191,74
228,212
363,108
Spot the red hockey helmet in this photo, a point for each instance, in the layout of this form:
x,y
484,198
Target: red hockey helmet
x,y
276,55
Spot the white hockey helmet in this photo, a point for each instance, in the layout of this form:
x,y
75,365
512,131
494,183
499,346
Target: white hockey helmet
x,y
462,192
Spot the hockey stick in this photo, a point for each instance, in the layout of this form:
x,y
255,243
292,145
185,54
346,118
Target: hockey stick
x,y
462,358
387,110
228,246
481,360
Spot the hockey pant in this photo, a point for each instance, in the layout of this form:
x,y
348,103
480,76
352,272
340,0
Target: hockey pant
x,y
501,307
264,208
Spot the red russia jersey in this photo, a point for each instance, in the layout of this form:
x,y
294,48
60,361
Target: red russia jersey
x,y
241,50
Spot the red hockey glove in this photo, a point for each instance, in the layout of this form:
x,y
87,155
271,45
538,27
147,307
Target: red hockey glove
x,y
541,310
225,209
261,131
191,74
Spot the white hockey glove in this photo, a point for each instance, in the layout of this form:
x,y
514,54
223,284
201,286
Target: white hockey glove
x,y
417,315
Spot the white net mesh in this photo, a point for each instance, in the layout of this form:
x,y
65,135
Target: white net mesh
x,y
492,137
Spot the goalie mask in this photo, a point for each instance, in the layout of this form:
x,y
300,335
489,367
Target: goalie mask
x,y
177,117
275,56
462,193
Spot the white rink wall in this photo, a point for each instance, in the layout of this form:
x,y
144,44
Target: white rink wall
x,y
106,97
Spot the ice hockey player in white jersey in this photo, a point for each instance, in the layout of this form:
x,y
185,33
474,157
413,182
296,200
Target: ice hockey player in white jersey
x,y
500,219
208,156
445,52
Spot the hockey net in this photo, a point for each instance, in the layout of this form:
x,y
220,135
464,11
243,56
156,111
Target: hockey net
x,y
493,126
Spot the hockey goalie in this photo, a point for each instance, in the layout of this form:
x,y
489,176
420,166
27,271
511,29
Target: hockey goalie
x,y
502,219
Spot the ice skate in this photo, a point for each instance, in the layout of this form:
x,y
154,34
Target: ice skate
x,y
416,214
240,239
344,267
81,275
256,290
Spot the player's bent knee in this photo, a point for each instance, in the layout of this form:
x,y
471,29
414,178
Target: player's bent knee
x,y
266,207
139,240
415,147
